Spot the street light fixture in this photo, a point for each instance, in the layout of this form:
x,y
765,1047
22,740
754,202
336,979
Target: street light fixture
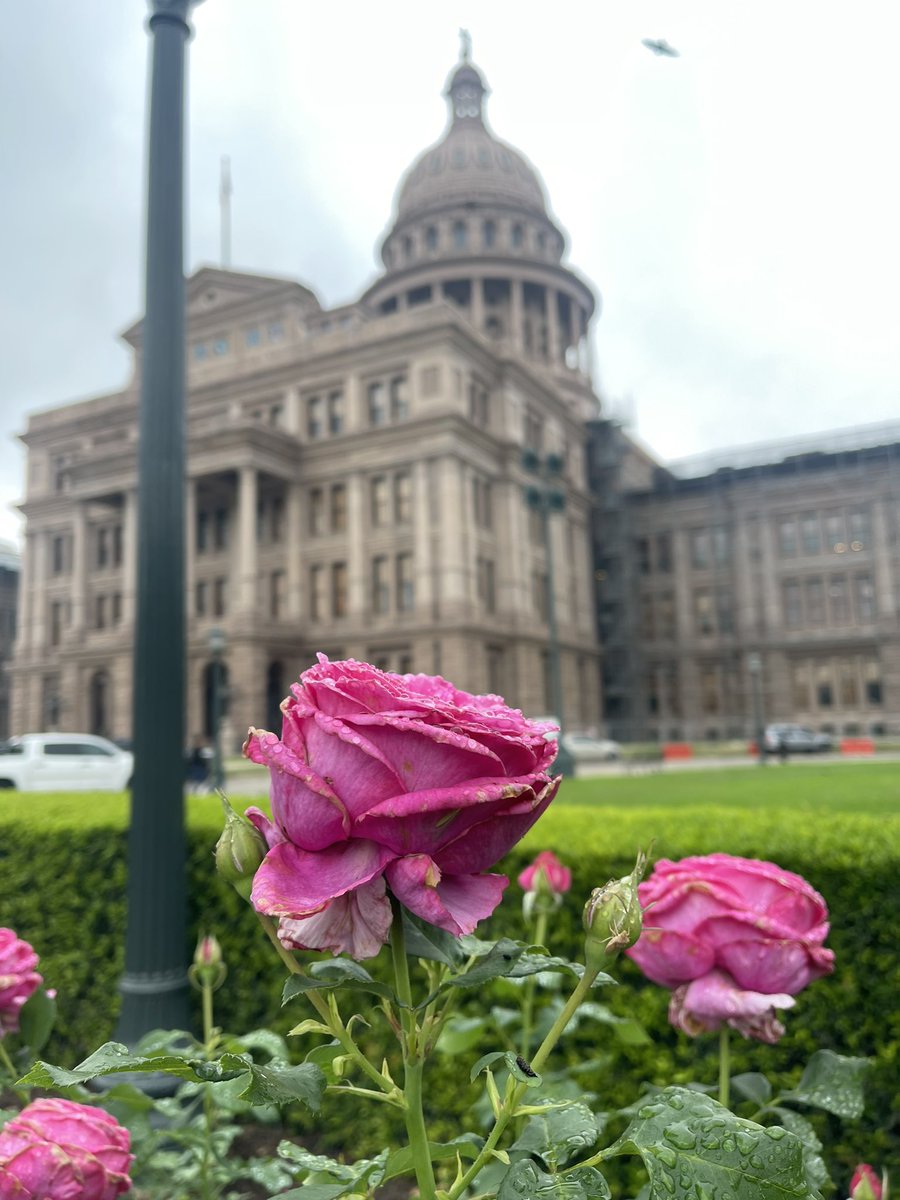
x,y
217,644
754,668
546,497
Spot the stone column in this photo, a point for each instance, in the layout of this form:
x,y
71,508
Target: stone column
x,y
357,417
129,556
247,558
477,304
294,542
551,312
292,414
470,539
79,567
880,558
190,546
452,573
26,613
357,567
422,540
512,549
575,329
516,313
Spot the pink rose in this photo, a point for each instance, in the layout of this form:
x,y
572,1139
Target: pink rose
x,y
59,1150
391,782
735,938
557,877
18,978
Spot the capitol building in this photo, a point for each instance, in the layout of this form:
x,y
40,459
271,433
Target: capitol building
x,y
355,475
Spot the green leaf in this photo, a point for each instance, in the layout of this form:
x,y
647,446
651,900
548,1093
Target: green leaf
x,y
694,1149
526,1181
499,962
833,1082
427,941
816,1171
362,1175
559,1134
36,1019
517,1067
535,964
485,1061
752,1086
315,1191
282,1084
592,1182
110,1059
332,979
400,1162
461,1034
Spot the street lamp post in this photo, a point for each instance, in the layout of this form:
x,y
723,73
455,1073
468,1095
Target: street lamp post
x,y
546,497
217,642
154,986
754,667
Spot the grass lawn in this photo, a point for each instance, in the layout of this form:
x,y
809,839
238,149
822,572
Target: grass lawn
x,y
871,788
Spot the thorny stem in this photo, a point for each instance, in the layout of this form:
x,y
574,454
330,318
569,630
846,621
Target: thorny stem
x,y
335,1026
514,1093
413,1063
206,992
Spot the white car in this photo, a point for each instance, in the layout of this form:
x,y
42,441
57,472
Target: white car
x,y
64,762
585,748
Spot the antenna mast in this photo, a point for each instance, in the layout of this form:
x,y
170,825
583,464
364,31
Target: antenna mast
x,y
225,210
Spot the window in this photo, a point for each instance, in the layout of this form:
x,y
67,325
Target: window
x,y
478,404
496,681
872,678
252,337
399,398
865,598
277,518
792,601
516,236
721,545
220,346
220,603
407,248
277,593
381,596
339,589
201,597
725,610
103,547
220,529
99,612
335,412
380,506
800,681
488,234
56,622
315,422
377,404
700,556
338,508
460,235
642,554
487,592
316,511
810,535
834,532
664,552
848,683
431,239
859,528
704,624
58,553
117,534
405,588
403,497
787,537
824,686
482,502
646,618
317,592
665,616
838,600
815,602
202,532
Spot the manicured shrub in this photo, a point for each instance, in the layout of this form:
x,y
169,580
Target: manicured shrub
x,y
62,887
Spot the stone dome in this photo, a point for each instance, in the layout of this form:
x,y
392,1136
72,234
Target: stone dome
x,y
469,165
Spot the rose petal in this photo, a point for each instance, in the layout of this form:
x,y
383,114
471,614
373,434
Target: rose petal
x,y
357,923
454,902
715,998
295,883
306,809
774,966
670,958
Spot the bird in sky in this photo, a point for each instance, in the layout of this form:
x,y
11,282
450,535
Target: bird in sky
x,y
660,46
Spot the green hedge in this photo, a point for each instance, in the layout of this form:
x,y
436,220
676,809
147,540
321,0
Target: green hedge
x,y
62,887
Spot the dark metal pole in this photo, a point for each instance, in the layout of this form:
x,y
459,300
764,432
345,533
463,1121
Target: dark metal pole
x,y
154,986
754,665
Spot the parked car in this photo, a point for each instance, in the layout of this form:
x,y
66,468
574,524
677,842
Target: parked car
x,y
584,747
795,739
64,762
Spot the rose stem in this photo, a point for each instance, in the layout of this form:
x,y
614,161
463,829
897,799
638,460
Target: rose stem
x,y
724,1066
514,1095
540,933
413,1064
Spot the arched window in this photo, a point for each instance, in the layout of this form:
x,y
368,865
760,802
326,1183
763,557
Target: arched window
x,y
431,238
460,235
489,234
517,236
407,248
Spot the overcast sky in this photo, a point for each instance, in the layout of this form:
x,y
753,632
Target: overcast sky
x,y
736,207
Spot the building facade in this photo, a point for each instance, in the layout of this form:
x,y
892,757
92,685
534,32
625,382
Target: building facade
x,y
9,595
355,475
780,578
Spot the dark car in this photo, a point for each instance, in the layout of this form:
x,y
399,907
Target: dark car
x,y
795,739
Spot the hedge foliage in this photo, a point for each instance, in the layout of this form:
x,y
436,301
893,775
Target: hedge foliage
x,y
62,876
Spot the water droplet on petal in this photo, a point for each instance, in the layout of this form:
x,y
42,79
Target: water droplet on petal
x,y
675,1102
776,1133
745,1142
680,1135
667,1156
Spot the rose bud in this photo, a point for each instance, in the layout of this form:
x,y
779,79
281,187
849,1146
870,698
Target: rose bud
x,y
208,968
239,851
865,1184
544,883
612,917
